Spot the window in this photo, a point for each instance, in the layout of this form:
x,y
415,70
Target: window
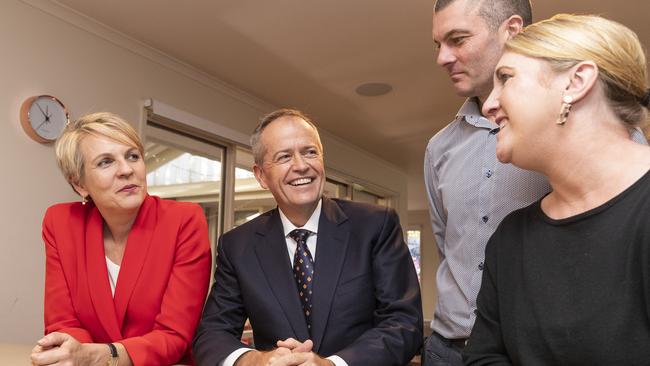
x,y
413,237
251,200
185,168
346,188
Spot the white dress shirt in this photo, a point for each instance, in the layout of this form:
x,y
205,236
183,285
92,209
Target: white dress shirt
x,y
113,273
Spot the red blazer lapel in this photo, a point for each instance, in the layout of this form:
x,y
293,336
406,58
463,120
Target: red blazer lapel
x,y
137,246
100,292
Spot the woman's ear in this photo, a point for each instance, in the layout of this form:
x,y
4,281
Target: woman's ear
x,y
582,79
80,189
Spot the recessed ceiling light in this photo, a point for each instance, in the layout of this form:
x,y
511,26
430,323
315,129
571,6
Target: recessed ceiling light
x,y
374,89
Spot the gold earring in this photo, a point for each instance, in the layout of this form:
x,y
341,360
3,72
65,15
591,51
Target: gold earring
x,y
565,109
84,200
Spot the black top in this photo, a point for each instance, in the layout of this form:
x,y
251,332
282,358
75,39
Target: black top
x,y
574,291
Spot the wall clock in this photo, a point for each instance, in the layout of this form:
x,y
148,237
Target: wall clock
x,y
43,118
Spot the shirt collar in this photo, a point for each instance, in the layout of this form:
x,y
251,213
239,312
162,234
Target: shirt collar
x,y
311,224
471,113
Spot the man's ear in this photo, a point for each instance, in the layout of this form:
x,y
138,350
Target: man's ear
x,y
582,78
512,26
259,176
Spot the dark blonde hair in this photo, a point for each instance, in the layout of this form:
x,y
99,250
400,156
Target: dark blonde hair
x,y
565,40
102,124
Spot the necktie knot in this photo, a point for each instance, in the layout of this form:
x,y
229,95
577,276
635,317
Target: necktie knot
x,y
300,235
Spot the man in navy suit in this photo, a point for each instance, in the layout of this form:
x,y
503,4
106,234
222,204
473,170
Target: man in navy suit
x,y
323,281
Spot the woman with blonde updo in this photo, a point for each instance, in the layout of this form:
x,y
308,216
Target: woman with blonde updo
x,y
126,273
567,279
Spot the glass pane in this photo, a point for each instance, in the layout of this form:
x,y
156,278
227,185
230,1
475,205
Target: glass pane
x,y
334,189
360,194
414,247
251,199
185,169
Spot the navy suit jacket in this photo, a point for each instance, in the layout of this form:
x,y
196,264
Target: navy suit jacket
x,y
366,303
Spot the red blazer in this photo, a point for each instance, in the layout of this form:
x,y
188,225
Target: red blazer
x,y
160,290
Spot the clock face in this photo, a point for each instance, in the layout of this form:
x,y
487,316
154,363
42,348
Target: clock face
x,y
47,117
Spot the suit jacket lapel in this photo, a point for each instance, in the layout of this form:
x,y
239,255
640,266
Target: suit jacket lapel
x,y
331,246
99,286
137,247
271,252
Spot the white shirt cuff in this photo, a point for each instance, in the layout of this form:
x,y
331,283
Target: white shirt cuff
x,y
232,358
338,361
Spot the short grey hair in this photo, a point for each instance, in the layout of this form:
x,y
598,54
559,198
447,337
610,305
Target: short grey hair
x,y
256,144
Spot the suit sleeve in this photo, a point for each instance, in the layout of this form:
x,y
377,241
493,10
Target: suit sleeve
x,y
183,299
397,334
486,346
60,315
224,315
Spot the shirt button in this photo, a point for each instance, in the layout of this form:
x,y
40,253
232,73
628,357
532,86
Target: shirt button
x,y
475,311
481,266
488,173
485,218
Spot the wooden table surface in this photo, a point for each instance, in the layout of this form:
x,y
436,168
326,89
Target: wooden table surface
x,y
15,354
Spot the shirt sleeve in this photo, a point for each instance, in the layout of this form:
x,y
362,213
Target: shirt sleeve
x,y
434,197
338,361
234,356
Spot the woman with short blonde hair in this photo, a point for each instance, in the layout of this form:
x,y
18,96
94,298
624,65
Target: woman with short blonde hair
x,y
126,273
101,124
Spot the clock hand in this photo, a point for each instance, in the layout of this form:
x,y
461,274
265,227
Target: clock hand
x,y
48,115
42,123
41,109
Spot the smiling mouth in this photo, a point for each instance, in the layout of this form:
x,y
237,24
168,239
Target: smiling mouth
x,y
301,181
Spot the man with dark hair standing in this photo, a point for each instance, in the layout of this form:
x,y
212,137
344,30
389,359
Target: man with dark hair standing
x,y
469,191
351,296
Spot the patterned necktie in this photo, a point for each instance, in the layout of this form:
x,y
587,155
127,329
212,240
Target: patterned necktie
x,y
303,271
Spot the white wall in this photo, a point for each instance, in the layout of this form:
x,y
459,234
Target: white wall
x,y
417,197
45,49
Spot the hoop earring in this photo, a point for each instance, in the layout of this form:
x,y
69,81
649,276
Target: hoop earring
x,y
564,110
84,200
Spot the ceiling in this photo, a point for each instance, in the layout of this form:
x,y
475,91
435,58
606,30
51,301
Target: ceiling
x,y
312,55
